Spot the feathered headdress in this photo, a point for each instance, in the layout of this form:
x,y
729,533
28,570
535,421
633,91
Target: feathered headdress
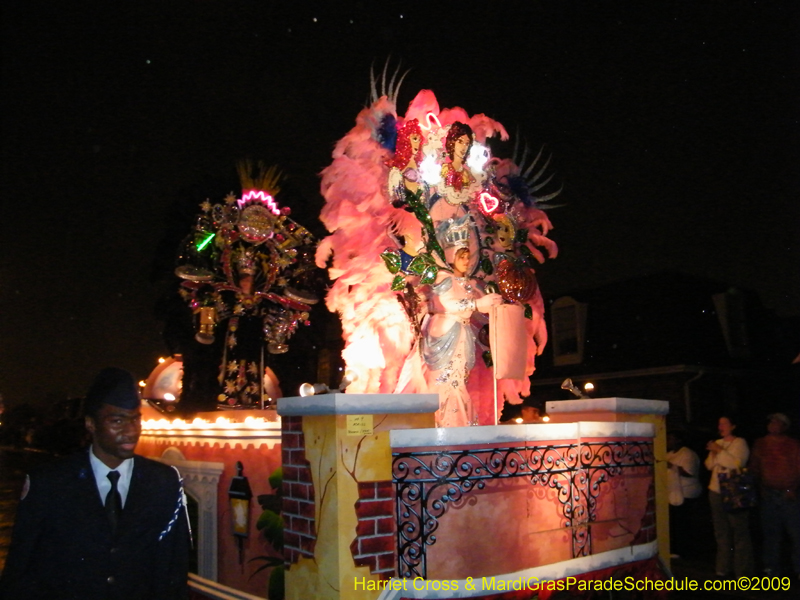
x,y
265,179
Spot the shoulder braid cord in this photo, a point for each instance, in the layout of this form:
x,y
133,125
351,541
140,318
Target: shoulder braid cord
x,y
182,502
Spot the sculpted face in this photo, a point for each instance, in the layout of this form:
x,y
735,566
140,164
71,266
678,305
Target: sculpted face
x,y
415,140
505,231
115,433
461,262
461,147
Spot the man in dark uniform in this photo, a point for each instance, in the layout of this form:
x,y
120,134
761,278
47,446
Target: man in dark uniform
x,y
104,523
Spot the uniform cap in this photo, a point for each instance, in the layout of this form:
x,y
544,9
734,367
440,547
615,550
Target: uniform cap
x,y
113,386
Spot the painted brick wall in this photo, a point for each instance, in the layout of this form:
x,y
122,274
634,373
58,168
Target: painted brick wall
x,y
375,545
299,530
647,532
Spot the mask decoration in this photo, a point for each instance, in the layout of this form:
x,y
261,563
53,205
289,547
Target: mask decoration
x,y
246,269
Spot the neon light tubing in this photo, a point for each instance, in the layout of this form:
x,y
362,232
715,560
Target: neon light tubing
x,y
261,196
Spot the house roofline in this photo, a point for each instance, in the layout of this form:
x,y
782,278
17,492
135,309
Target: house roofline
x,y
649,372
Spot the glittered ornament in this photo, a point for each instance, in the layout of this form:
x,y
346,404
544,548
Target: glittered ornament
x,y
516,281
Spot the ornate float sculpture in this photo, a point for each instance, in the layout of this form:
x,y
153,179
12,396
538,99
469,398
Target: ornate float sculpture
x,y
429,231
245,268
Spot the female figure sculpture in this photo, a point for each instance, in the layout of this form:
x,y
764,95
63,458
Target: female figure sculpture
x,y
448,345
404,176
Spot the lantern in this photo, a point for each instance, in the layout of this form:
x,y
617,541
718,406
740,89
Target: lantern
x,y
239,495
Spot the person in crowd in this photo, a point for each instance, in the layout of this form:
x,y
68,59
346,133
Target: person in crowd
x,y
105,522
685,490
776,464
731,529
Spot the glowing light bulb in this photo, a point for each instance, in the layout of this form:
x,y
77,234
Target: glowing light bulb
x,y
350,376
430,170
477,157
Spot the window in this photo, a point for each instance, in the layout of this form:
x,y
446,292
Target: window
x,y
568,323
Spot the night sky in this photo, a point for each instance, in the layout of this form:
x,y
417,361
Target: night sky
x,y
673,127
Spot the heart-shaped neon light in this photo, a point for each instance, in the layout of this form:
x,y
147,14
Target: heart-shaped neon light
x,y
488,202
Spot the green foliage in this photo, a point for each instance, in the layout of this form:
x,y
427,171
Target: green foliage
x,y
423,266
276,589
269,561
276,480
392,260
270,523
272,502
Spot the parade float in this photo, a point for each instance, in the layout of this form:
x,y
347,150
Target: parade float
x,y
406,197
401,483
245,272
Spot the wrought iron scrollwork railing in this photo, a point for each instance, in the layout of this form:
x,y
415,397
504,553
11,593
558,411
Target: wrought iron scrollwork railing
x,y
427,483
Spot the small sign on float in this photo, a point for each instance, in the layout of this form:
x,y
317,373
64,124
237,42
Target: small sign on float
x,y
358,425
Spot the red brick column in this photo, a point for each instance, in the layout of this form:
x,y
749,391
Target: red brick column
x,y
375,545
299,530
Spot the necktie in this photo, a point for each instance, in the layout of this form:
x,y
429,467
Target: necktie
x,y
113,501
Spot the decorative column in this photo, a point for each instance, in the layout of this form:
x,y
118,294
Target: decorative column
x,y
635,410
337,462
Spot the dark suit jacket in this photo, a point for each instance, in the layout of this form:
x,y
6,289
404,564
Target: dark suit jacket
x,y
62,547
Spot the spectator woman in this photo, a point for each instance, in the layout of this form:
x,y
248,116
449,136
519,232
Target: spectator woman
x,y
731,528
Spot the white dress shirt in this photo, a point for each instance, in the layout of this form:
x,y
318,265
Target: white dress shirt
x,y
101,471
687,459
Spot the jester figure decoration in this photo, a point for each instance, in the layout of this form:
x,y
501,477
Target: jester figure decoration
x,y
431,236
245,268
